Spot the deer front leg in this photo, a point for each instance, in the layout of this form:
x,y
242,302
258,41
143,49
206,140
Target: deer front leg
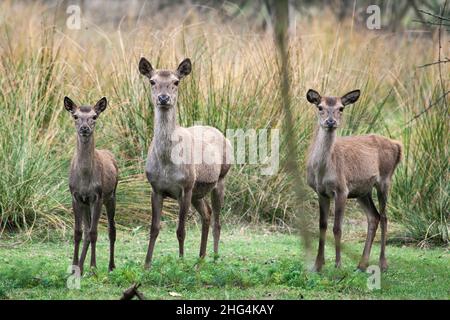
x,y
339,204
157,203
96,209
324,204
184,202
78,215
86,217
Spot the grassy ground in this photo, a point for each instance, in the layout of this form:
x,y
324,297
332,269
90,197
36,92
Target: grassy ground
x,y
269,268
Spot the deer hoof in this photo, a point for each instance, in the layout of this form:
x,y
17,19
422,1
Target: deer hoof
x,y
93,271
362,267
317,267
383,265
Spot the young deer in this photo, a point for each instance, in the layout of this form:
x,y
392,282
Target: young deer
x,y
349,167
189,180
93,182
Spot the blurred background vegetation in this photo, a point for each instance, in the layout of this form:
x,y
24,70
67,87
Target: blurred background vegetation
x,y
396,14
234,84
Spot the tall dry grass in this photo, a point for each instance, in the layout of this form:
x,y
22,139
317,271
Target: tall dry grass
x,y
234,84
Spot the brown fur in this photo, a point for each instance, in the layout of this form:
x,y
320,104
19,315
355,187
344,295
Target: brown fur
x,y
93,182
349,167
188,182
357,160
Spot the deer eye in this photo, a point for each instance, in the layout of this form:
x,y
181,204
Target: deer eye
x,y
152,82
320,108
94,118
341,109
176,83
75,117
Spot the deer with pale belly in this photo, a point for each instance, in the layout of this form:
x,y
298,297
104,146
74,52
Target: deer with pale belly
x,y
177,167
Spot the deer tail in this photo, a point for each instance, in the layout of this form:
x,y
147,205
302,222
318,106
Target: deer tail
x,y
399,146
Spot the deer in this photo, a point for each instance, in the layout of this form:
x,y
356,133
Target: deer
x,y
190,179
342,168
92,182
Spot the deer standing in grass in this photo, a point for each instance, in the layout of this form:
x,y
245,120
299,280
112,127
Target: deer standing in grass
x,y
349,167
93,183
177,164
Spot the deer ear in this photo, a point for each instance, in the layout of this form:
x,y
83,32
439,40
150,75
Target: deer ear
x,y
70,105
313,97
101,105
145,68
350,97
184,68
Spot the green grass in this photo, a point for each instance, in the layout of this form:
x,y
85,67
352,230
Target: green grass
x,y
253,264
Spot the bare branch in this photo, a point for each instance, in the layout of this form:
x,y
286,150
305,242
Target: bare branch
x,y
447,60
435,15
417,116
431,23
440,54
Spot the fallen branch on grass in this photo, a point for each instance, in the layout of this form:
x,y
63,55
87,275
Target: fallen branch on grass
x,y
131,292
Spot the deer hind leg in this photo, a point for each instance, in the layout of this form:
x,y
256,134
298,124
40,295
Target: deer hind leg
x,y
373,218
382,192
324,204
339,209
205,212
217,197
184,202
111,212
157,203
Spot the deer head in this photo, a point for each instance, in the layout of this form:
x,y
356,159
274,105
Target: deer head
x,y
330,109
164,83
85,117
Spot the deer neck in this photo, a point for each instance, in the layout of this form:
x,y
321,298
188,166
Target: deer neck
x,y
85,155
323,148
165,126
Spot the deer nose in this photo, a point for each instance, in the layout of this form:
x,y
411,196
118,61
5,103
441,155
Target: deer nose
x,y
163,99
84,129
330,123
